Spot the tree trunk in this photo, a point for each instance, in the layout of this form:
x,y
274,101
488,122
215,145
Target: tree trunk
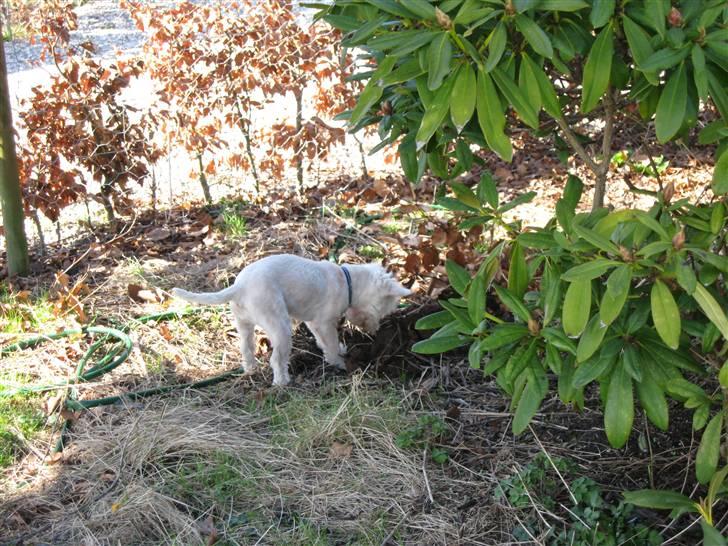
x,y
10,194
203,180
298,93
39,230
244,125
600,189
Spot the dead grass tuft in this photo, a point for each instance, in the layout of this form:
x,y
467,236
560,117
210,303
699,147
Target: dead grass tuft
x,y
291,467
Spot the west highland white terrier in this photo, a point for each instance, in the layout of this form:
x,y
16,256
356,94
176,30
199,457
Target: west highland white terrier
x,y
272,291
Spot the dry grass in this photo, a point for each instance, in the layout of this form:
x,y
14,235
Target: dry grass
x,y
291,468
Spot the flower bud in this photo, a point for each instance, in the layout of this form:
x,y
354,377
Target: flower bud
x,y
668,193
675,17
678,241
442,18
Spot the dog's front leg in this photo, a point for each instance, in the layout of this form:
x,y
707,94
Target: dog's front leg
x,y
327,338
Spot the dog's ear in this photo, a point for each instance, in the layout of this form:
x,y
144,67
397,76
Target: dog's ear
x,y
396,289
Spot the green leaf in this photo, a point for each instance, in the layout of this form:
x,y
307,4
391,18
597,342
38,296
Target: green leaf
x,y
422,8
562,5
699,74
591,339
614,298
458,276
412,167
434,321
476,299
504,334
435,114
619,408
372,91
639,45
491,118
711,535
665,314
513,304
517,271
528,404
577,304
536,37
660,499
601,12
597,69
551,291
706,461
462,100
720,175
440,344
672,106
465,195
487,190
595,239
589,270
475,355
711,308
652,398
439,56
496,46
548,94
516,97
558,339
664,59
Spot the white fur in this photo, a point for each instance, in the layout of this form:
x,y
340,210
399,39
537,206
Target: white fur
x,y
272,291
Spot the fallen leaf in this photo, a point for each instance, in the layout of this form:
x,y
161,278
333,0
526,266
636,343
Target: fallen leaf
x,y
141,295
164,331
158,234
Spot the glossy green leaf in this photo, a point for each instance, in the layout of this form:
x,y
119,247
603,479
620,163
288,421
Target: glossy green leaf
x,y
516,97
535,37
462,100
711,535
496,46
439,56
720,175
517,271
639,46
700,74
487,190
706,460
591,339
513,304
614,298
504,334
434,321
576,307
491,118
664,59
440,344
476,299
711,308
528,405
549,100
458,276
372,91
597,69
619,408
589,270
422,8
601,12
562,5
653,401
672,106
435,114
660,499
551,293
665,314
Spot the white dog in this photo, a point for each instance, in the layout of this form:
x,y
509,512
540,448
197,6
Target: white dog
x,y
272,291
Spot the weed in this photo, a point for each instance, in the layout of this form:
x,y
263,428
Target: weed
x,y
371,251
591,521
643,167
428,430
19,313
234,224
20,420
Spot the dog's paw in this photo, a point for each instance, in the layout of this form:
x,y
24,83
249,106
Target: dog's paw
x,y
342,348
282,381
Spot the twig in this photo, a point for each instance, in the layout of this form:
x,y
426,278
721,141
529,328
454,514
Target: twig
x,y
551,462
424,473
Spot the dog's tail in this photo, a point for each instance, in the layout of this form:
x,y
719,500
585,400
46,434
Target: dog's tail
x,y
209,298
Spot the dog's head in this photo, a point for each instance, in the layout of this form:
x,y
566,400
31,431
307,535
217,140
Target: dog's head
x,y
377,294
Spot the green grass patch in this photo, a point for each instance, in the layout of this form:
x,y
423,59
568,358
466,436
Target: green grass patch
x,y
20,420
21,312
372,252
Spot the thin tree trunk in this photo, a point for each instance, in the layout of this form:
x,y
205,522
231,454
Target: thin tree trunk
x,y
203,180
10,194
39,230
298,93
106,201
245,129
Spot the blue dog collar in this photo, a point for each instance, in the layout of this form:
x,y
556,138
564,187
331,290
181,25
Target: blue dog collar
x,y
348,281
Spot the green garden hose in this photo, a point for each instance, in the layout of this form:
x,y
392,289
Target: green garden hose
x,y
114,356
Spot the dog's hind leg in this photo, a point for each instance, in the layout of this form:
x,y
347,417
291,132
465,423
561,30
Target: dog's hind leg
x,y
246,330
279,332
327,338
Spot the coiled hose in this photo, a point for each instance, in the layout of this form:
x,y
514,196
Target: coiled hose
x,y
118,346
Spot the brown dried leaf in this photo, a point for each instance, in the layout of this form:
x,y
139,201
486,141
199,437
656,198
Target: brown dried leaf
x,y
340,451
158,234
